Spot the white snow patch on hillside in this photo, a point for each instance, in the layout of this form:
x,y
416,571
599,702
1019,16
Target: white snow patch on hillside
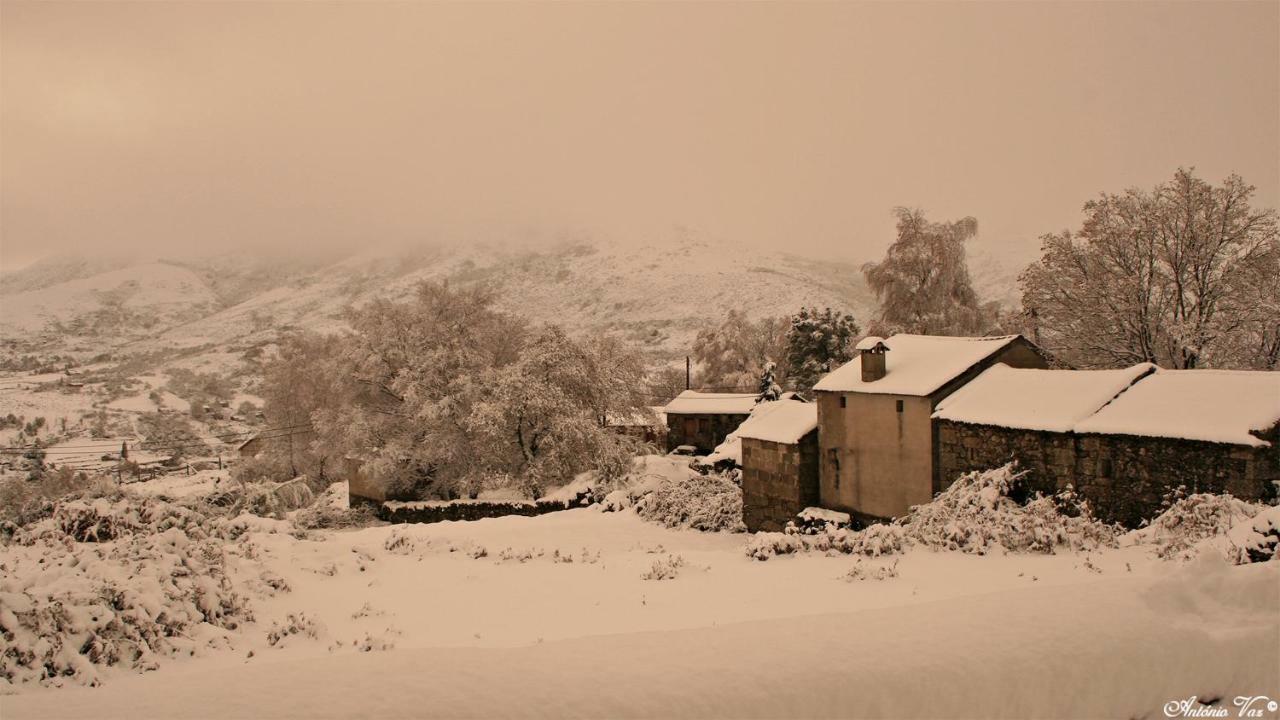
x,y
165,292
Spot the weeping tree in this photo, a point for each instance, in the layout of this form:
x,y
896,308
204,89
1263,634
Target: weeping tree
x,y
1183,275
923,282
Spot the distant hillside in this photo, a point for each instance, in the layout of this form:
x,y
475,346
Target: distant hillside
x,y
657,295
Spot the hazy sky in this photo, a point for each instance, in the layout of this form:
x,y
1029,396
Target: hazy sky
x,y
211,125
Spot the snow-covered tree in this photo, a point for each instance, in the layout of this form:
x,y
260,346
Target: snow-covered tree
x,y
819,342
923,282
1183,276
306,376
733,353
540,417
769,388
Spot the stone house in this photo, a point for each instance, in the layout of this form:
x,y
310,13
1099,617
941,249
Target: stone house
x,y
878,455
703,420
779,464
1123,439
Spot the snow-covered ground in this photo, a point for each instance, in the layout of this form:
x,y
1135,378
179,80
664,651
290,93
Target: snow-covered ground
x,y
554,616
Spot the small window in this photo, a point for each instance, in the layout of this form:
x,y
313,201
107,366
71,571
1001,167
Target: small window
x,y
899,406
842,401
1104,468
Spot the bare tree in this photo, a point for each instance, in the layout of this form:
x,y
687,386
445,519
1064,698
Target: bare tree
x,y
1181,276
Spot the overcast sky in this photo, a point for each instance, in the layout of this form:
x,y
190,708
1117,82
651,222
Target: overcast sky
x,y
216,125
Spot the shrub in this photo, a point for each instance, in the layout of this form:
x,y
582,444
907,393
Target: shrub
x,y
1256,540
68,607
701,502
664,568
976,514
1193,518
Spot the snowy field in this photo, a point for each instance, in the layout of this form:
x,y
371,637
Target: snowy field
x,y
562,616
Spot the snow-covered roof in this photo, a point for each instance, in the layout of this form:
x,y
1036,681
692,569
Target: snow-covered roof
x,y
1212,405
868,342
692,402
785,422
1052,400
916,364
731,448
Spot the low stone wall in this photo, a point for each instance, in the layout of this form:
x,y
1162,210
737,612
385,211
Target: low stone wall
x,y
432,512
1124,478
778,481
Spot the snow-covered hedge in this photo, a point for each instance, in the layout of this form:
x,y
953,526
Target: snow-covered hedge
x,y
975,515
116,581
710,503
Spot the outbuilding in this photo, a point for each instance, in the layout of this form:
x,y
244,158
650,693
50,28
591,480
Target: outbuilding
x,y
779,463
1123,439
703,420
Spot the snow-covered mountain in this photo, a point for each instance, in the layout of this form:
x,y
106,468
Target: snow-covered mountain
x,y
657,294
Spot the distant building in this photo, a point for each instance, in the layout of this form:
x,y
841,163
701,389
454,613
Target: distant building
x,y
703,420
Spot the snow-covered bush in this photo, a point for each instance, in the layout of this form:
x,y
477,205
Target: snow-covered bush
x,y
874,541
68,607
666,568
866,571
322,516
1256,540
701,502
276,499
976,514
1191,519
298,624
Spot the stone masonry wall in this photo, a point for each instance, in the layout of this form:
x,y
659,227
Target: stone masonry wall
x,y
1124,478
778,481
704,432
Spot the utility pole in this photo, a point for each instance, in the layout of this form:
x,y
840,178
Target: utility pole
x,y
688,373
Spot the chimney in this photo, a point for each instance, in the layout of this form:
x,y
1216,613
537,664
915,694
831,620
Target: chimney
x,y
872,356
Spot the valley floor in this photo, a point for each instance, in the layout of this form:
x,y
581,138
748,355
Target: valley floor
x,y
552,617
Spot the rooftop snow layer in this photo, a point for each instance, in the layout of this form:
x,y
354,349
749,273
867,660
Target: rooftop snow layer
x,y
692,402
916,364
1212,405
731,448
786,422
1052,400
